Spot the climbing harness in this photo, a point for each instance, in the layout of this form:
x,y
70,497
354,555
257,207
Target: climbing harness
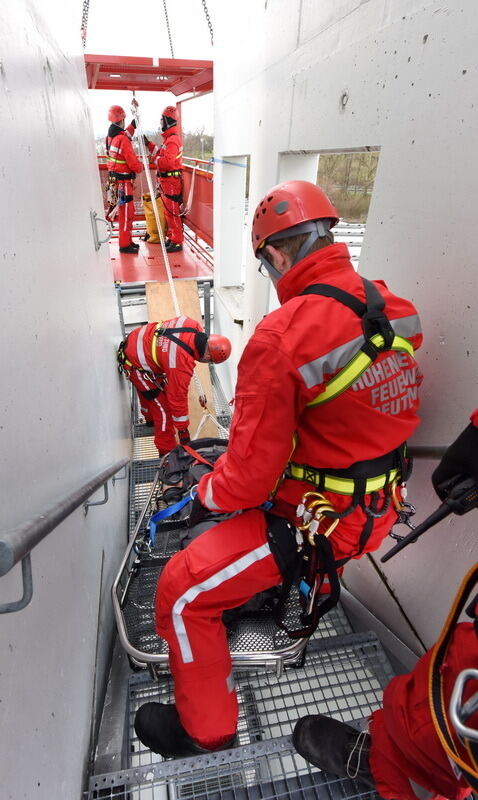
x,y
461,747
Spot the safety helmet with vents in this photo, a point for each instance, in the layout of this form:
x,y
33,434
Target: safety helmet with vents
x,y
290,209
219,348
116,113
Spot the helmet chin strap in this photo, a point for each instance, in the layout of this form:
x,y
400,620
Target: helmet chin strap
x,y
317,229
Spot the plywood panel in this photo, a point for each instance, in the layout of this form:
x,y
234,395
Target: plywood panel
x,y
161,307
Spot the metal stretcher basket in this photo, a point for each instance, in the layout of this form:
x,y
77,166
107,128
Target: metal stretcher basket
x,y
255,640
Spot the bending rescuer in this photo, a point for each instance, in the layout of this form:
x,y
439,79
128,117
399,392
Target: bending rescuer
x,y
123,164
413,748
158,359
169,172
326,396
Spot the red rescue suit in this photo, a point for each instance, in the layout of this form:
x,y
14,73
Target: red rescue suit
x,y
123,164
285,365
161,371
407,760
169,171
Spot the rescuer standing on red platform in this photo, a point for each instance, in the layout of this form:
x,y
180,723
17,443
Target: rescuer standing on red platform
x,y
413,748
336,338
158,359
123,165
169,171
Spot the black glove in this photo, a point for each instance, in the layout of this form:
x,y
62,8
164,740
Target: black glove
x,y
183,436
461,459
198,512
133,123
145,140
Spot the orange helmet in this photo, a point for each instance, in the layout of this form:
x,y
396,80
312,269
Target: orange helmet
x,y
116,113
171,111
289,209
219,348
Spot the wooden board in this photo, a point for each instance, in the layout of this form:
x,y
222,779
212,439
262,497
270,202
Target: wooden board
x,y
161,307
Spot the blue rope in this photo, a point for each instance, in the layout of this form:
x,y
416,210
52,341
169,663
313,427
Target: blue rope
x,y
167,512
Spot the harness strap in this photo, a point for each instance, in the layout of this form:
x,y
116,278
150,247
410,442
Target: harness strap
x,y
378,333
466,758
168,333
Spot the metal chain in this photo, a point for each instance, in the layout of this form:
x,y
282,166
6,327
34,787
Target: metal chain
x,y
84,21
208,20
169,30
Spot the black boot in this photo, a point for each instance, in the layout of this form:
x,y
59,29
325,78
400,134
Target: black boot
x,y
135,245
172,247
159,728
130,249
334,747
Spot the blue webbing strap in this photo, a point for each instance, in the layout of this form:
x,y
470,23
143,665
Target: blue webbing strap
x,y
167,512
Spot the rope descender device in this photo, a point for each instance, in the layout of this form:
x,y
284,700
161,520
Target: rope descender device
x,y
312,510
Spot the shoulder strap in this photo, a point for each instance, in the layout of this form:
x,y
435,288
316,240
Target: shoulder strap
x,y
168,333
379,335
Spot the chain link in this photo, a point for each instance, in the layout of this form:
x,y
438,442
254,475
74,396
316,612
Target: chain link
x,y
208,20
84,21
169,30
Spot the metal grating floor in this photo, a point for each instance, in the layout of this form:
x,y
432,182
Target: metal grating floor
x,y
343,677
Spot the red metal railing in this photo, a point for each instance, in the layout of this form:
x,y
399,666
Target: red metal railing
x,y
199,216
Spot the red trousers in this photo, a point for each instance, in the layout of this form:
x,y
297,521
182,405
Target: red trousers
x,y
406,757
221,569
156,411
172,187
125,213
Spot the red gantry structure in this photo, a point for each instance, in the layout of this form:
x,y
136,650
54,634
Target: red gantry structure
x,y
188,79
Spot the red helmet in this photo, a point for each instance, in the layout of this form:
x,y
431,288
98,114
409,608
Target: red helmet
x,y
172,112
289,204
116,114
219,348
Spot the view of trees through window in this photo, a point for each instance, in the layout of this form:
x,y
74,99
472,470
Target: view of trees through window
x,y
348,178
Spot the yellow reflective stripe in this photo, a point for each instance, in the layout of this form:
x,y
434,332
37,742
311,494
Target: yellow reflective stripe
x,y
354,369
345,485
116,160
153,343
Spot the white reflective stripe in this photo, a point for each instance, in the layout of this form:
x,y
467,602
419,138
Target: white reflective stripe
x,y
114,149
230,682
163,414
140,348
213,582
180,419
173,348
314,371
208,498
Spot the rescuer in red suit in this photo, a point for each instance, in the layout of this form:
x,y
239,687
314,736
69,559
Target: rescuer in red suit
x,y
280,447
169,171
403,755
123,165
159,359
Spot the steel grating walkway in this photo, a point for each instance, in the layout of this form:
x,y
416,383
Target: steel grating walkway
x,y
343,676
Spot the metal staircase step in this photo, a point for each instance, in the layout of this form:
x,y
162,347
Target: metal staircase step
x,y
343,677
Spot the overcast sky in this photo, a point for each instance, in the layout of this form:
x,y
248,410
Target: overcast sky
x,y
126,28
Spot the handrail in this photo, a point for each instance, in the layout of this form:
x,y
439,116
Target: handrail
x,y
17,543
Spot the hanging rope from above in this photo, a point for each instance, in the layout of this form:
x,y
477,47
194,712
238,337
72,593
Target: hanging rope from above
x,y
84,21
169,29
208,20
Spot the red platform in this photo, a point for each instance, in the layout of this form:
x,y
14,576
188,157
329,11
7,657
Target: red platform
x,y
148,265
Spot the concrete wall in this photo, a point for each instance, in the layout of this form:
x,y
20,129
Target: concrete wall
x,y
401,76
64,409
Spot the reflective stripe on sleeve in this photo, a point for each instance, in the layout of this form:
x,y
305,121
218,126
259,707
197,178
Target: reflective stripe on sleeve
x,y
180,419
208,498
140,349
213,582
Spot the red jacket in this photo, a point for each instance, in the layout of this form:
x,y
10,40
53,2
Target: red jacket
x,y
161,356
121,156
405,746
291,354
169,156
